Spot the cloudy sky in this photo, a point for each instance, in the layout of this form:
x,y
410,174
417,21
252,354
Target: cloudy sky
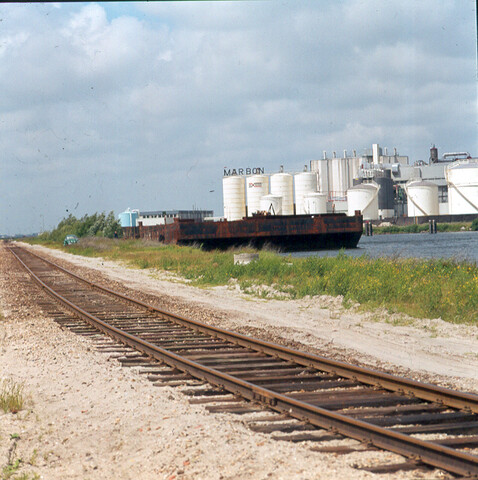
x,y
108,106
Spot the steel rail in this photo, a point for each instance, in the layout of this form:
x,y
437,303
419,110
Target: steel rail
x,y
428,453
406,386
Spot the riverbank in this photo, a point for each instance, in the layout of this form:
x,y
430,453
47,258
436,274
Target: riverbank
x,y
433,288
386,228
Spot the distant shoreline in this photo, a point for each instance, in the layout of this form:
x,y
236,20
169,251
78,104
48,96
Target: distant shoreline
x,y
424,228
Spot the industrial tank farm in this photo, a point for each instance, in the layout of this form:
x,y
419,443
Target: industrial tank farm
x,y
444,189
277,194
377,185
259,210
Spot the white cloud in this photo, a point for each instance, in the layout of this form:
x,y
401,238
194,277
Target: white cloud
x,y
129,104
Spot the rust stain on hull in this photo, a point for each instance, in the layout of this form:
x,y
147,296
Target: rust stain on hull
x,y
288,232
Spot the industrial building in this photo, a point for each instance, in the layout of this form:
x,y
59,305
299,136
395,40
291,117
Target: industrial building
x,y
406,192
134,218
322,188
382,185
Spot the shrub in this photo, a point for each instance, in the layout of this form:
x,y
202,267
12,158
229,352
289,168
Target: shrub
x,y
98,224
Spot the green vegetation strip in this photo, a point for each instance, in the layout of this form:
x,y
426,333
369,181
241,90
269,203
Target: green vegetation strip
x,y
420,288
96,225
424,227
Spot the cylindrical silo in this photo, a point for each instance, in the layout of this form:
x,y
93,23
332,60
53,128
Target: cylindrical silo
x,y
385,195
234,196
353,168
282,184
363,197
304,182
321,167
271,204
462,180
422,198
315,203
257,186
128,218
338,175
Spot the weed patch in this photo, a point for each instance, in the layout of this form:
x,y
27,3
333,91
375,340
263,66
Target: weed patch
x,y
11,396
14,463
401,321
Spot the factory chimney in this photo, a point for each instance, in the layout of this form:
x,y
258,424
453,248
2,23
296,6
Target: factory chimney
x,y
433,155
376,153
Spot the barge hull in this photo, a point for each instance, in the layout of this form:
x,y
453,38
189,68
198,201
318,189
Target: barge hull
x,y
296,243
288,233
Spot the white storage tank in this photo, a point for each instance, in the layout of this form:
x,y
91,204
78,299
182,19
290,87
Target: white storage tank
x,y
282,184
305,182
234,196
321,167
422,198
271,204
363,197
339,177
462,180
257,186
353,170
315,203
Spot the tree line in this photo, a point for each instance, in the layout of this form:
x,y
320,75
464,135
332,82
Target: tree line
x,y
96,225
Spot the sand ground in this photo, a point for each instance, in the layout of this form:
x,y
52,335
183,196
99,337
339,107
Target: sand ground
x,y
89,418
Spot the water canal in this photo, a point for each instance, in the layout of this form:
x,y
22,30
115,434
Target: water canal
x,y
455,245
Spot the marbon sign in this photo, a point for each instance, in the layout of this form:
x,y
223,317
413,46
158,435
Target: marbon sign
x,y
243,171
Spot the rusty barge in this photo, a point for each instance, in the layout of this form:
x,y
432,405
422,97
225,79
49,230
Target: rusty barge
x,y
285,232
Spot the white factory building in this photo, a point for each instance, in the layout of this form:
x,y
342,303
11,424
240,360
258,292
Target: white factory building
x,y
133,218
379,183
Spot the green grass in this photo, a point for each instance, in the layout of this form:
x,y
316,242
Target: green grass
x,y
11,396
420,288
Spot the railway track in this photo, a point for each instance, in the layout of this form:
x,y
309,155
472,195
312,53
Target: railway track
x,y
430,426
